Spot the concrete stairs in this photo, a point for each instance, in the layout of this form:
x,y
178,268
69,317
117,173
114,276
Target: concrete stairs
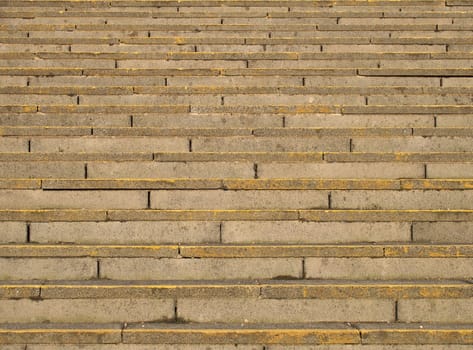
x,y
233,174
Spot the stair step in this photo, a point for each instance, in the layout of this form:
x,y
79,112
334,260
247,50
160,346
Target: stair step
x,y
225,195
288,157
283,55
248,39
226,310
245,3
241,184
271,289
233,12
238,251
140,131
221,132
221,174
53,71
255,109
146,268
225,90
283,141
236,120
236,232
53,215
236,334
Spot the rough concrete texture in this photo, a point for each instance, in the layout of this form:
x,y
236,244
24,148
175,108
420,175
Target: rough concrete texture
x,y
254,175
443,232
386,269
370,347
125,232
285,311
13,232
145,347
341,170
148,170
48,269
402,200
238,199
312,232
206,269
83,310
441,310
12,199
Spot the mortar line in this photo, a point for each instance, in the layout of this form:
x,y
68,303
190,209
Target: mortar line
x,y
175,311
396,311
355,326
220,229
28,232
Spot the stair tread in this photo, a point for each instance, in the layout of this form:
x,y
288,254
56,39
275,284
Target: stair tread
x,y
399,250
266,289
228,172
346,215
319,333
237,184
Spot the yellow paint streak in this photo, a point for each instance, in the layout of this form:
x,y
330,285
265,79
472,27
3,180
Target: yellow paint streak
x,y
431,293
93,331
29,109
73,246
295,332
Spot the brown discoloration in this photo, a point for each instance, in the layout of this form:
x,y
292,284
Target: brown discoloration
x,y
202,215
45,215
386,215
20,184
280,251
55,335
420,335
417,290
242,336
429,251
168,251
